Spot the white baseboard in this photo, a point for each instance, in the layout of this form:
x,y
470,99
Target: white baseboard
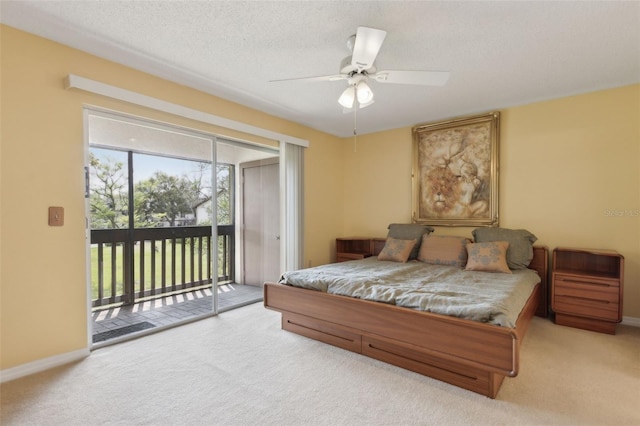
x,y
632,321
42,365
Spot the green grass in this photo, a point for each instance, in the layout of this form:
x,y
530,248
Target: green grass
x,y
119,272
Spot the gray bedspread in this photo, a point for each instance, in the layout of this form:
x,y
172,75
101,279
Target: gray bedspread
x,y
494,298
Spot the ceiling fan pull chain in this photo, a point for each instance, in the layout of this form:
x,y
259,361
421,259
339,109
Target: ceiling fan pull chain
x,y
355,134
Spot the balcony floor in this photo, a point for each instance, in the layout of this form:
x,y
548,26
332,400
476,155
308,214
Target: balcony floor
x,y
118,321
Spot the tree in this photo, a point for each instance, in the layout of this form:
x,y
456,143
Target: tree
x,y
171,197
223,194
108,200
200,194
160,198
165,195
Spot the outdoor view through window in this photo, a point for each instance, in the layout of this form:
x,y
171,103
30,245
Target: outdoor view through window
x,y
159,214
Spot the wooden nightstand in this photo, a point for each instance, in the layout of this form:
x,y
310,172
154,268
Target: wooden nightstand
x,y
587,288
357,248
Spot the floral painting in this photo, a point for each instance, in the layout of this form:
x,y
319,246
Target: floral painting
x,y
455,175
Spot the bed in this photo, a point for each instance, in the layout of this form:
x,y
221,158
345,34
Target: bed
x,y
471,354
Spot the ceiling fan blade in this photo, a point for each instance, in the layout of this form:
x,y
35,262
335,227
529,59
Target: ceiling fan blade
x,y
422,78
366,47
335,77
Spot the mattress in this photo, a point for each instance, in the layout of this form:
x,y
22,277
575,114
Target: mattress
x,y
495,298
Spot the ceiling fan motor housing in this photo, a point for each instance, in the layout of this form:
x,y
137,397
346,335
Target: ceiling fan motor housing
x,y
347,68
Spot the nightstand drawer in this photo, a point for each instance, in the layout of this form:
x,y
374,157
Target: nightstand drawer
x,y
587,288
595,299
584,281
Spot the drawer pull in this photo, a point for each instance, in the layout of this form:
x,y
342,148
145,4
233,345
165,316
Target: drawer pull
x,y
585,283
605,302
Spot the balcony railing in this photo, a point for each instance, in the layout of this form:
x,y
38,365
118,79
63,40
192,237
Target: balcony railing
x,y
128,265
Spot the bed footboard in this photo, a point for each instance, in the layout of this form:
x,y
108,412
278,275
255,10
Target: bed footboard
x,y
394,352
464,353
467,354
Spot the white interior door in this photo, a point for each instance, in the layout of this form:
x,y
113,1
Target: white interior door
x,y
261,221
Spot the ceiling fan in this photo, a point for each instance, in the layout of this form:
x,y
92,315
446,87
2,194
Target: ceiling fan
x,y
359,68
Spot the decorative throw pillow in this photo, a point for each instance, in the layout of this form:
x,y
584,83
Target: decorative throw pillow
x,y
443,250
396,250
520,241
488,257
409,231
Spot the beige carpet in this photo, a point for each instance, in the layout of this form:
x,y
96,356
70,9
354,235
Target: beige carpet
x,y
242,369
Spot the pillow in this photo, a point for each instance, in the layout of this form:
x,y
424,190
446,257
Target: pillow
x,y
520,242
443,250
396,250
409,231
488,257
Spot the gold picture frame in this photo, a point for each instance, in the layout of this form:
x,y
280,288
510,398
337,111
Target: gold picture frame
x,y
455,171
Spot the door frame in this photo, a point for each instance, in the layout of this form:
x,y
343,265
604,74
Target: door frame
x,y
291,165
137,120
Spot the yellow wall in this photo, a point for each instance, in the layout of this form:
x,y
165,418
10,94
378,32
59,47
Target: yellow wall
x,y
563,163
566,166
43,301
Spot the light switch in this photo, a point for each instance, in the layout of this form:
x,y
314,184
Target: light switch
x,y
56,216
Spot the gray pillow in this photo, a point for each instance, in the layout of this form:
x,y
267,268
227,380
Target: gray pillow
x,y
409,231
520,251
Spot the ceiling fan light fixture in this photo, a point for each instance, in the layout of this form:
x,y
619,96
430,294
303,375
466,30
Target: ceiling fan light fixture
x,y
364,105
348,97
365,95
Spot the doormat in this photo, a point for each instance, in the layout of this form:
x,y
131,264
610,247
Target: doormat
x,y
117,332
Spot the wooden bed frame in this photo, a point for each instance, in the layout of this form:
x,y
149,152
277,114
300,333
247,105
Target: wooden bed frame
x,y
472,355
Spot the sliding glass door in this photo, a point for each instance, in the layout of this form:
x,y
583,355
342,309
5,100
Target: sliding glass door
x,y
153,257
166,231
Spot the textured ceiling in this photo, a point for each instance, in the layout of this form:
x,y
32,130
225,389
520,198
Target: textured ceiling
x,y
500,54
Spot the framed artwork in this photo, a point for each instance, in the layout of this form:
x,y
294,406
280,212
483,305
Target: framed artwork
x,y
455,171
